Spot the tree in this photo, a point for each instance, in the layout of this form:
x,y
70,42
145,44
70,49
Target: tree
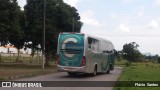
x,y
59,18
5,20
16,36
12,24
119,55
131,52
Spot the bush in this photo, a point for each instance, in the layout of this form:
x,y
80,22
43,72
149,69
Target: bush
x,y
128,64
158,59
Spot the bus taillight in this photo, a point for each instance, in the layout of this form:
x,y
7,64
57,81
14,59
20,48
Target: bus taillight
x,y
83,61
57,61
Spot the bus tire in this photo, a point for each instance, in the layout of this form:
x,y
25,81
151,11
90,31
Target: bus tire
x,y
108,71
95,71
72,73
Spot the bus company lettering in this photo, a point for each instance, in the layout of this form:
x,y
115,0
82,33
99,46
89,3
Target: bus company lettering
x,y
74,47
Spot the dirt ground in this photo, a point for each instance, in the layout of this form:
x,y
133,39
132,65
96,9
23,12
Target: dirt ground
x,y
11,71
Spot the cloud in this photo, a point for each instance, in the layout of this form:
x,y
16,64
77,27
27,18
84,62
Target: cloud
x,y
72,2
87,17
126,1
153,24
157,2
113,15
141,11
124,28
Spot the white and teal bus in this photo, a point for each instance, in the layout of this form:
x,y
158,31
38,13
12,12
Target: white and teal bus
x,y
82,53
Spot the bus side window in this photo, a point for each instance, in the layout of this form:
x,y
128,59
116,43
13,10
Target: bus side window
x,y
93,44
103,46
89,42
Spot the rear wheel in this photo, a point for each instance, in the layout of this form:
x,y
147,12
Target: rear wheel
x,y
95,71
108,71
72,73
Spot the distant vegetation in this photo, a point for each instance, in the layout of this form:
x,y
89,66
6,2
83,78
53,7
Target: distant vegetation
x,y
158,59
137,67
130,53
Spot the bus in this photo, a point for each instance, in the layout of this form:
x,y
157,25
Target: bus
x,y
82,53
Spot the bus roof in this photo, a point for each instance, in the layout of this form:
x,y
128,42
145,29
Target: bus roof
x,y
88,35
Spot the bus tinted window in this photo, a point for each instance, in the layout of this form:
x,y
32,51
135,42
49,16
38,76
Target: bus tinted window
x,y
72,48
93,44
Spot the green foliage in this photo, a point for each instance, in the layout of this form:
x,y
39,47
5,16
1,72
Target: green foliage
x,y
120,63
12,23
8,19
140,72
127,64
18,27
130,52
151,58
119,55
158,59
59,18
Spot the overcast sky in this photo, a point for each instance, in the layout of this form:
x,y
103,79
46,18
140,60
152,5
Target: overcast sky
x,y
121,21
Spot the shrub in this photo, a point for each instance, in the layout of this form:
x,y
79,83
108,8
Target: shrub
x,y
127,64
158,59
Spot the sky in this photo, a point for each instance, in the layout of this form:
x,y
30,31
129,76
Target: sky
x,y
121,21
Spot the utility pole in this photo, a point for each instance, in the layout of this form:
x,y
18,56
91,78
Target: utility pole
x,y
44,29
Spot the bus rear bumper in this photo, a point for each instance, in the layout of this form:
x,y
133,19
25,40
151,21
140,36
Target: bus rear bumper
x,y
70,69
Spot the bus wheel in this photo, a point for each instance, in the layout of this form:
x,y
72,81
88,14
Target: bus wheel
x,y
108,71
95,71
72,73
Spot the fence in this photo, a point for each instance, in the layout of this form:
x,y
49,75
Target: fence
x,y
23,58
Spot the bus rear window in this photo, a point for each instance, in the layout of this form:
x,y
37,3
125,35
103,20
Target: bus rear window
x,y
72,48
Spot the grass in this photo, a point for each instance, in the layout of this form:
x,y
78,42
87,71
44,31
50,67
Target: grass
x,y
11,71
120,63
26,66
29,59
23,58
143,71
